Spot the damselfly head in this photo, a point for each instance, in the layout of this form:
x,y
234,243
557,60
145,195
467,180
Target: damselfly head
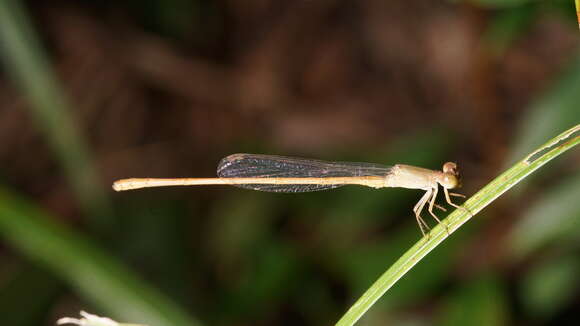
x,y
451,176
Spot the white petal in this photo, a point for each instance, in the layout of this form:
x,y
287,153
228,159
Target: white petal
x,y
87,320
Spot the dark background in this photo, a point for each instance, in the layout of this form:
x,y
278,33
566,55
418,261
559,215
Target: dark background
x,y
91,92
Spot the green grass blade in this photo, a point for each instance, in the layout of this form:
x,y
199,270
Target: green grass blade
x,y
24,59
94,275
476,203
578,11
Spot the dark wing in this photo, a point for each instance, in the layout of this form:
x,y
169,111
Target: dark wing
x,y
271,166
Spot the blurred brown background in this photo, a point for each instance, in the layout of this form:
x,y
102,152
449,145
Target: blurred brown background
x,y
107,90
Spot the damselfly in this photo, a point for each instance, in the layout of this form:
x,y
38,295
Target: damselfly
x,y
289,174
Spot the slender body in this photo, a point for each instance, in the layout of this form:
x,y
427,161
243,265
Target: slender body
x,y
288,174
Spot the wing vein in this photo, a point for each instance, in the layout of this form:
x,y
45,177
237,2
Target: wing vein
x,y
273,166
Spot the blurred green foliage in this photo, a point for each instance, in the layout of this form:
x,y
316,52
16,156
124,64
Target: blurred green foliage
x,y
29,67
550,285
478,301
256,258
534,231
90,271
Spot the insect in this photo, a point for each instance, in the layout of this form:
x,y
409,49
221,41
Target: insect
x,y
274,173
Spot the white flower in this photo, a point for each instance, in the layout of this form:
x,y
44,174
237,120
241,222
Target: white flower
x,y
87,320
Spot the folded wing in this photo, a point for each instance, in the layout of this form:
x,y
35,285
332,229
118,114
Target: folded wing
x,y
273,166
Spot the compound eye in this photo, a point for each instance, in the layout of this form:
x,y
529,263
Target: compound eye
x,y
450,167
450,181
